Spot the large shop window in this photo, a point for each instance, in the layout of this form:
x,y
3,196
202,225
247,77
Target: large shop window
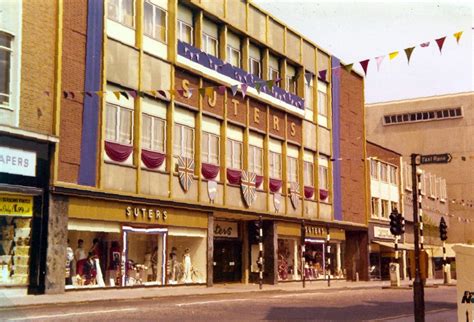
x,y
121,11
103,254
318,259
15,237
288,259
5,65
155,21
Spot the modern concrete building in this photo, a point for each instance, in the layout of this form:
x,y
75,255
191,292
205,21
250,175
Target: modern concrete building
x,y
432,125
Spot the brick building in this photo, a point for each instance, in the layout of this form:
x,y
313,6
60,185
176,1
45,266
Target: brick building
x,y
28,35
173,144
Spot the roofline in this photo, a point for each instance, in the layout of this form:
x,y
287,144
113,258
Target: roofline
x,y
385,148
423,98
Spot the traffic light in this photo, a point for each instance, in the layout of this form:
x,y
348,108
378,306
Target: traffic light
x,y
258,224
401,224
443,229
394,222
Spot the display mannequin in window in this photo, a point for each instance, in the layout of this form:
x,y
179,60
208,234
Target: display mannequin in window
x,y
173,266
114,263
154,264
187,266
80,252
69,264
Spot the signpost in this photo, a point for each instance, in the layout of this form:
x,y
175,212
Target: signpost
x,y
418,290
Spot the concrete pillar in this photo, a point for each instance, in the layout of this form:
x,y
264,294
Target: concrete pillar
x,y
210,250
338,260
296,256
57,243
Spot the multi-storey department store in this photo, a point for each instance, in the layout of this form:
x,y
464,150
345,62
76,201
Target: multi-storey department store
x,y
156,182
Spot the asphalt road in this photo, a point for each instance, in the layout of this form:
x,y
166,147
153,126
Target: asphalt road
x,y
321,305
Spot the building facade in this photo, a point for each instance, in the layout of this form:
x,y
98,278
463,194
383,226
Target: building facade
x,y
27,140
432,125
180,124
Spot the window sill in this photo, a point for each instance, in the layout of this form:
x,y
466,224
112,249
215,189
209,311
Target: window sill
x,y
155,170
154,39
7,107
132,166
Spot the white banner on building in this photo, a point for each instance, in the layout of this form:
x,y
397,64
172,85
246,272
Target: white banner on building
x,y
15,161
383,232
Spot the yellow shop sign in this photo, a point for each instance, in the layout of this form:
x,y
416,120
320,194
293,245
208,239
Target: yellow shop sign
x,y
14,205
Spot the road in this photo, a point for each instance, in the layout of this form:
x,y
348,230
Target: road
x,y
320,305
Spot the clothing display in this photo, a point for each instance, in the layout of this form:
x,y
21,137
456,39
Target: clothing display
x,y
187,267
79,254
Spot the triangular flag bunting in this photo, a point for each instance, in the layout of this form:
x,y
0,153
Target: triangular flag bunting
x,y
117,94
270,84
162,92
348,67
172,92
425,44
152,93
209,91
458,36
190,92
379,60
408,52
124,94
322,74
202,91
364,64
308,77
221,90
392,55
257,87
133,94
99,93
244,87
234,88
440,42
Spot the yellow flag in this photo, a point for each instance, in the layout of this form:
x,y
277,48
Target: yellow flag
x,y
172,92
393,55
152,93
458,36
99,93
209,91
117,94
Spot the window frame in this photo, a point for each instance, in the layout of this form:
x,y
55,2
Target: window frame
x,y
308,89
291,84
273,70
326,108
152,134
374,169
306,166
289,170
209,135
232,50
231,151
384,210
181,145
120,13
205,43
251,71
325,170
155,8
9,51
118,123
180,31
271,160
375,207
252,163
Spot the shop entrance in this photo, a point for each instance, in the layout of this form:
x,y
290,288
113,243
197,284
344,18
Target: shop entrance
x,y
227,260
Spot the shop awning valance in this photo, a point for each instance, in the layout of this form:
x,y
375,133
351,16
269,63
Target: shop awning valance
x,y
401,246
93,225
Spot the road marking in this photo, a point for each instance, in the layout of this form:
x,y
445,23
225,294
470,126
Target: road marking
x,y
411,315
302,294
72,314
211,302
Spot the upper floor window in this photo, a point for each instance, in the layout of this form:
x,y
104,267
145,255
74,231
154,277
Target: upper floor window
x,y
121,11
375,207
210,148
209,45
273,74
385,210
5,65
323,179
119,124
384,172
234,154
394,205
255,67
183,141
153,133
322,103
374,173
292,169
256,159
275,165
291,84
308,174
308,94
185,32
393,175
155,21
233,56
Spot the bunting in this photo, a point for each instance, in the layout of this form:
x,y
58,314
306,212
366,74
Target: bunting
x,y
244,87
308,77
322,74
440,42
458,35
408,52
393,54
234,88
364,64
348,67
379,60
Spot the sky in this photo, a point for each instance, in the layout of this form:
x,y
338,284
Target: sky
x,y
358,30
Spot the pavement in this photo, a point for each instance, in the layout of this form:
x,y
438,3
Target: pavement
x,y
17,298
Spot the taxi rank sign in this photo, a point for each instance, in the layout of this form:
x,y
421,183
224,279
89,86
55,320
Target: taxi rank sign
x,y
435,158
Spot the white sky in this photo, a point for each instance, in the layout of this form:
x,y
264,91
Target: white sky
x,y
358,30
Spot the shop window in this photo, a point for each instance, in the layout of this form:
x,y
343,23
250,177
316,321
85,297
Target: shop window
x,y
185,32
233,56
209,45
275,165
375,207
119,124
15,238
314,259
153,133
5,66
292,169
322,104
256,160
234,154
308,174
210,148
121,11
288,259
183,141
155,21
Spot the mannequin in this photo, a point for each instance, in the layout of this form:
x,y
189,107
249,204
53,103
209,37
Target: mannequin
x,y
172,278
153,259
187,266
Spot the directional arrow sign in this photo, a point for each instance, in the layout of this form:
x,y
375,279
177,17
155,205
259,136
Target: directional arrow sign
x,y
436,158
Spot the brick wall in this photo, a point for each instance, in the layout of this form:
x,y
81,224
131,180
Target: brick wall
x,y
73,64
37,65
352,147
383,154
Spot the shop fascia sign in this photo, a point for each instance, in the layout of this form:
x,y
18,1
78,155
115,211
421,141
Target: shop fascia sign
x,y
383,233
226,229
16,161
315,231
12,205
146,213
